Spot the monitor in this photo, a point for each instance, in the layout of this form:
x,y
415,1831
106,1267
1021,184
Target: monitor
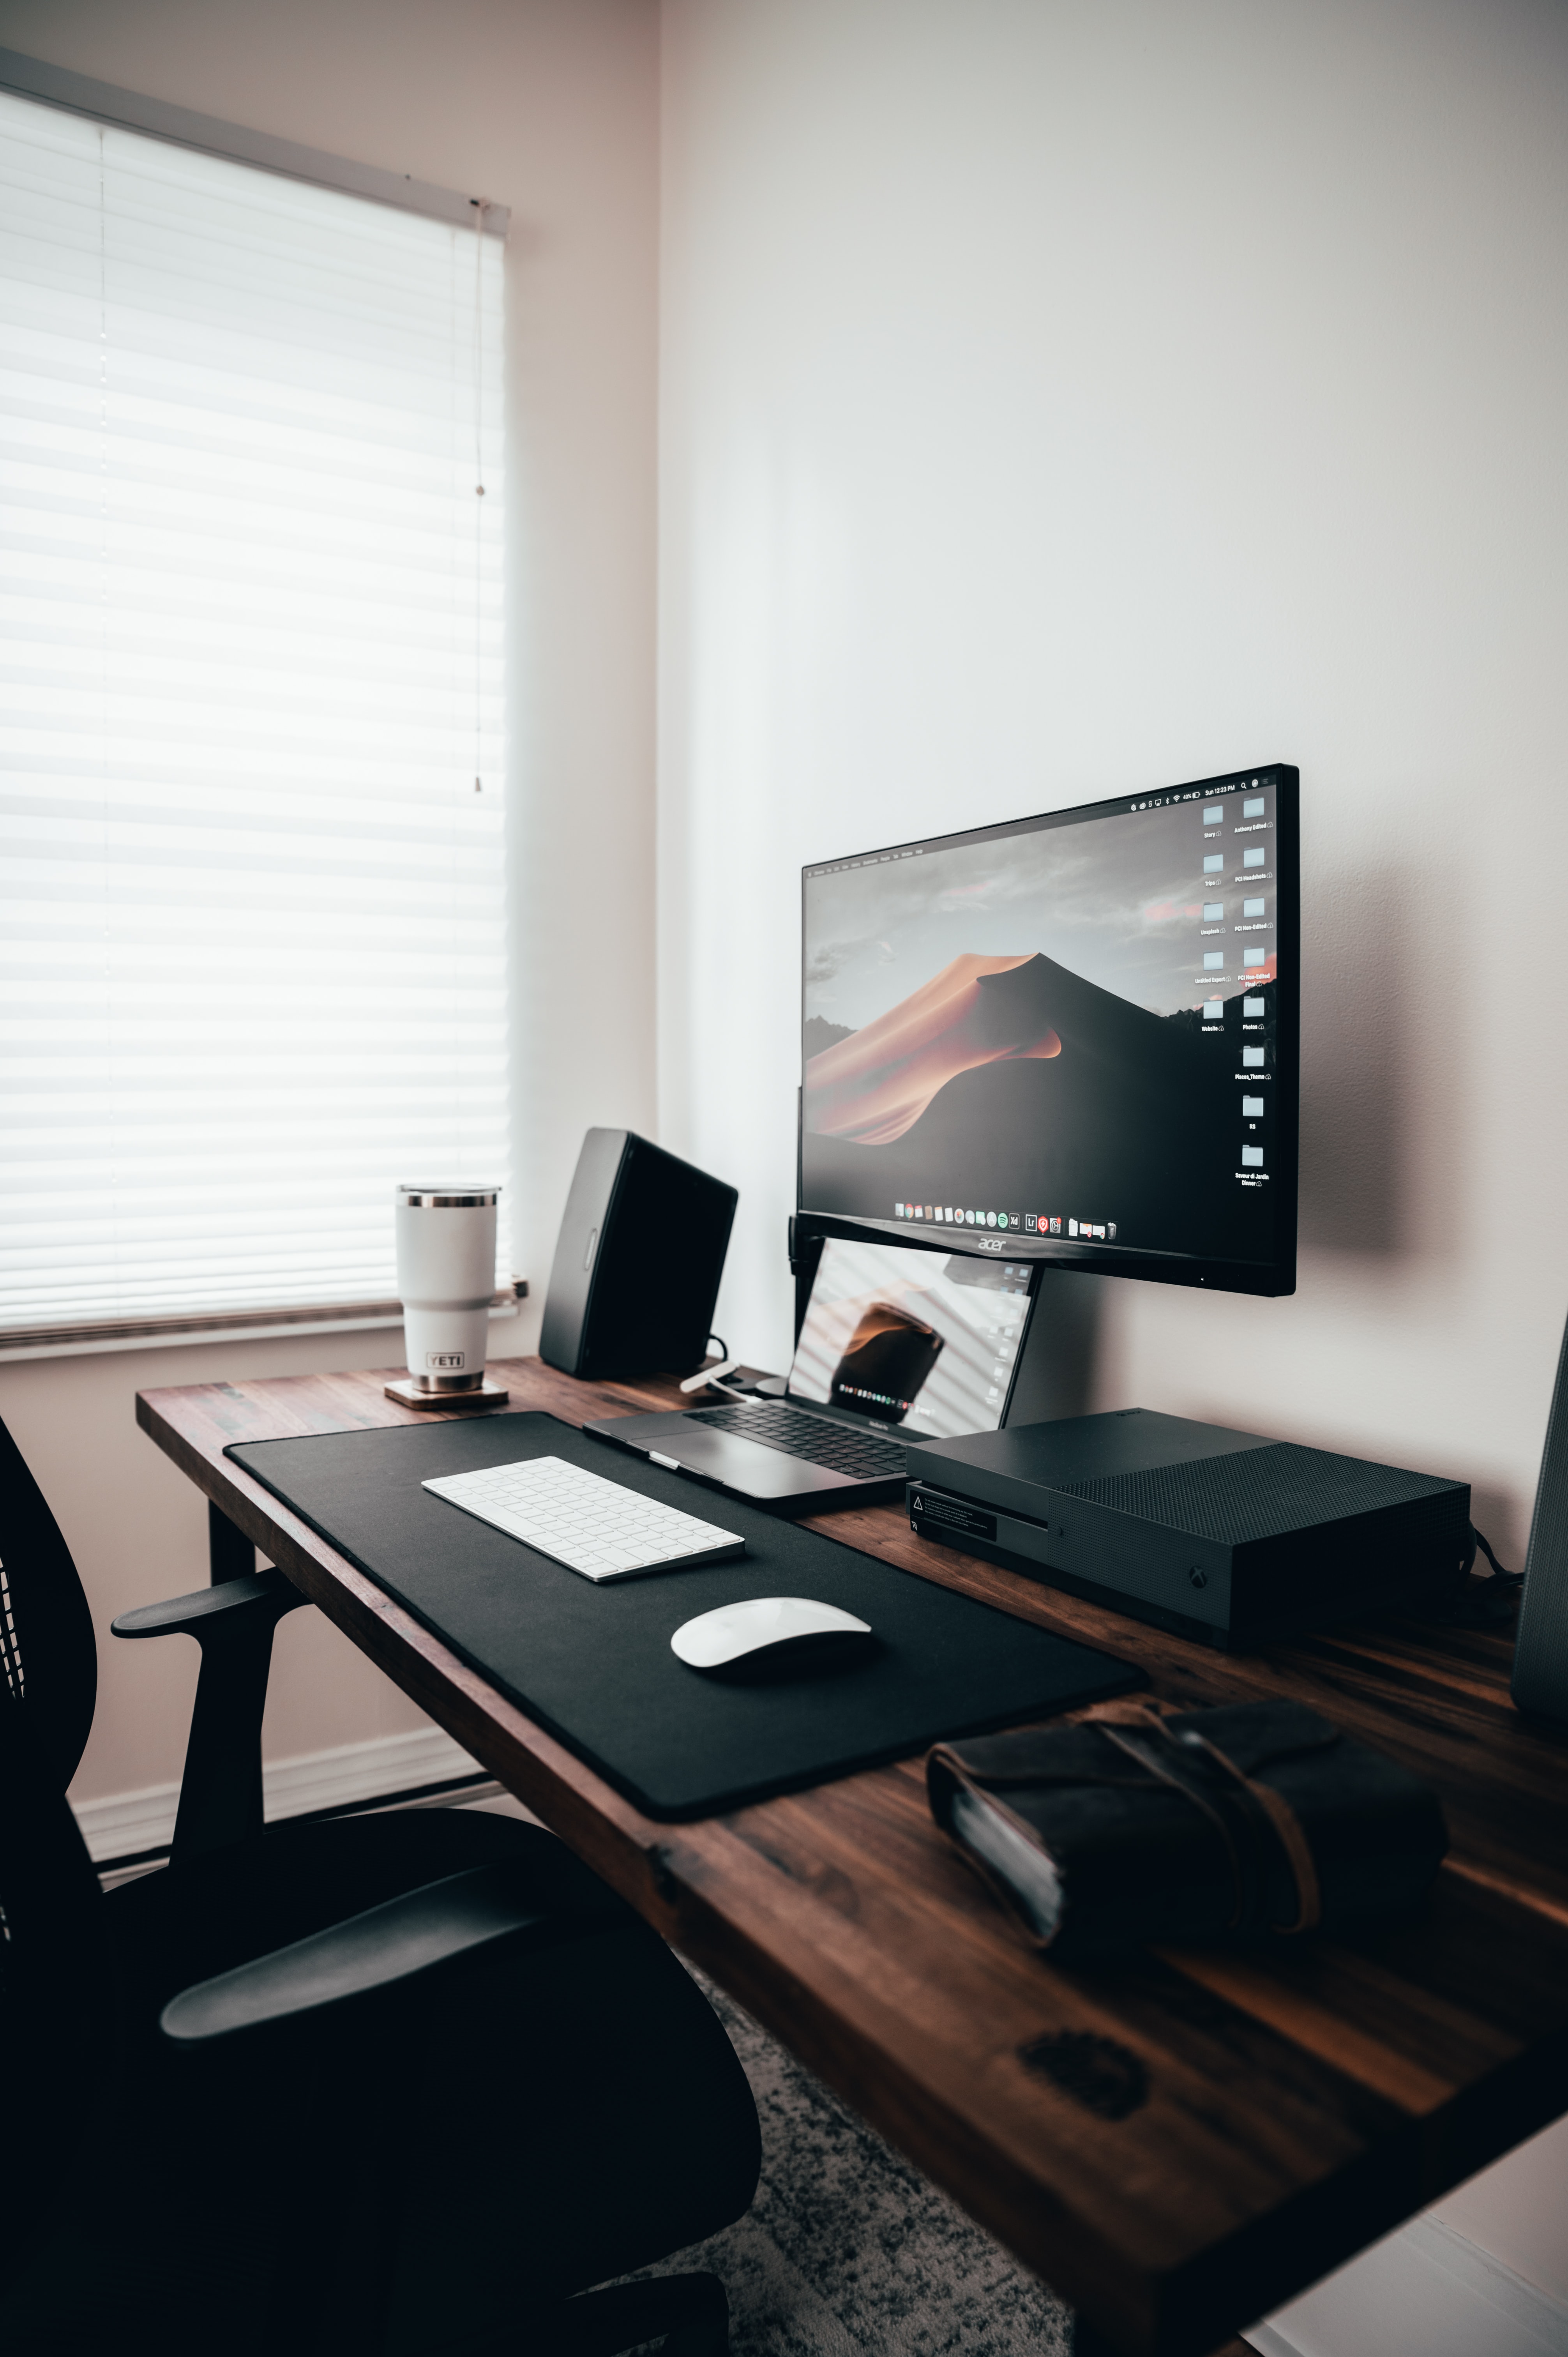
x,y
932,1346
1070,1038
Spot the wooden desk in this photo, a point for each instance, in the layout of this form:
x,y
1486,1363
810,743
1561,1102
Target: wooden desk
x,y
1200,2134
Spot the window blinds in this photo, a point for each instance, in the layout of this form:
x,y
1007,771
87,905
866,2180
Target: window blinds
x,y
252,907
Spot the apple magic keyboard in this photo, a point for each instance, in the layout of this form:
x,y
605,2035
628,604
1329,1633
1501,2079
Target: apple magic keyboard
x,y
593,1526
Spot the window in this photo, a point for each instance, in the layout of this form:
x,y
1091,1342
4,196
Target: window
x,y
252,891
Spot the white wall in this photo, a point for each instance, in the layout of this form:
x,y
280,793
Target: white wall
x,y
549,106
1061,400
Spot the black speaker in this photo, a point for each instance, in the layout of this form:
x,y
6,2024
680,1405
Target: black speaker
x,y
1540,1649
638,1261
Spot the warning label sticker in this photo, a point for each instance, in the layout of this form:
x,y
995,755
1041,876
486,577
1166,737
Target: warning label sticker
x,y
933,1515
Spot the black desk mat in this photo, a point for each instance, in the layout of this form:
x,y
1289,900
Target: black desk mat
x,y
594,1665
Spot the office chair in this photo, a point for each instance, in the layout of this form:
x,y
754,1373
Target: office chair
x,y
385,2086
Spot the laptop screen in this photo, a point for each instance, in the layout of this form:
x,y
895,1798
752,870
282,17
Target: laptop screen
x,y
911,1339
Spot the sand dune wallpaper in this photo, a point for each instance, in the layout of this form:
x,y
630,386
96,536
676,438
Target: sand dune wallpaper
x,y
875,1083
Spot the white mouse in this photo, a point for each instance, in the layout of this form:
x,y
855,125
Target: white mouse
x,y
768,1631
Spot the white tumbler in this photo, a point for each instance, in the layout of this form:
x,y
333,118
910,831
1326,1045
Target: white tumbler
x,y
446,1281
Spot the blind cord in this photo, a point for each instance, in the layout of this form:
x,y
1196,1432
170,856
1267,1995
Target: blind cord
x,y
479,206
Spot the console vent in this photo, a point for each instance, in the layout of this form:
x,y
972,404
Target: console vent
x,y
1258,1493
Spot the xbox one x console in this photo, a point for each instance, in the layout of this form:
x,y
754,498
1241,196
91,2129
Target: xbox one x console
x,y
1228,1537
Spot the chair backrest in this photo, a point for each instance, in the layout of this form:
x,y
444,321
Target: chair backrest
x,y
57,2016
58,2022
49,1661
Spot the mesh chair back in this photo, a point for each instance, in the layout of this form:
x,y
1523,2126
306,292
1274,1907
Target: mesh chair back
x,y
49,1663
57,2013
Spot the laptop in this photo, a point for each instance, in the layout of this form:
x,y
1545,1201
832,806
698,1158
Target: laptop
x,y
895,1343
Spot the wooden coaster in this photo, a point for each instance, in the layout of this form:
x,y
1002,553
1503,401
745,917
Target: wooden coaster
x,y
408,1393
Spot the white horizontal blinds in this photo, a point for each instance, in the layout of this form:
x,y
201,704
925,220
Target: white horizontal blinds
x,y
252,954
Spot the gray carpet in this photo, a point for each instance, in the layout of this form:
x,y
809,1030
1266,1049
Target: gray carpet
x,y
847,2250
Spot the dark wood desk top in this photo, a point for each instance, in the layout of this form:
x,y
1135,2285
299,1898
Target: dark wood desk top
x,y
1204,2133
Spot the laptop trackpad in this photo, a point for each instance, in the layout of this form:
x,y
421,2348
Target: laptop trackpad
x,y
746,1466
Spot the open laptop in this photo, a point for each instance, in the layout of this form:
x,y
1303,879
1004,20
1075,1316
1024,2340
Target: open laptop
x,y
893,1341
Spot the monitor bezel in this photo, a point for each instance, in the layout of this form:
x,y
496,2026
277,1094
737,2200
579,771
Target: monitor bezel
x,y
1272,1279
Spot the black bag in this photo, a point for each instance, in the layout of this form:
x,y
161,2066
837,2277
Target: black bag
x,y
1137,1823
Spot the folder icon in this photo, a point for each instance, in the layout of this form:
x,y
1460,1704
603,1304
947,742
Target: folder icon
x,y
1251,1158
1253,1007
1214,1010
1213,814
1253,957
1212,912
1252,1060
1251,1108
1252,908
1213,961
1255,858
1253,808
1214,861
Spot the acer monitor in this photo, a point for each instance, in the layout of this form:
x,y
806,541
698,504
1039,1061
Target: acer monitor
x,y
1069,1039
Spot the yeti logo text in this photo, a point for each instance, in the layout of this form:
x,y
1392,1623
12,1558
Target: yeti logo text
x,y
446,1363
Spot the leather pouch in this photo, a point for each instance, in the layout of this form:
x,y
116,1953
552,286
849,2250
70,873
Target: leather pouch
x,y
1139,1823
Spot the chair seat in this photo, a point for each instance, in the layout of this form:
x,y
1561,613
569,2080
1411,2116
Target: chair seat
x,y
134,2267
555,2120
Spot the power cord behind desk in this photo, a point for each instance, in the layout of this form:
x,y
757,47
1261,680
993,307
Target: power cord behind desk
x,y
1480,1603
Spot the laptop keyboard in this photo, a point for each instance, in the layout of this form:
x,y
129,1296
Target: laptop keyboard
x,y
813,1437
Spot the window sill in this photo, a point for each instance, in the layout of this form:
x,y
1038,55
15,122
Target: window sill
x,y
216,1325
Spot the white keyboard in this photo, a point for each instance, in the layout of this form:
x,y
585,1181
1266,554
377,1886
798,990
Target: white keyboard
x,y
581,1520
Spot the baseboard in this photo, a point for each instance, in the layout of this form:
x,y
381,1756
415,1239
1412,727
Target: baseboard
x,y
128,1824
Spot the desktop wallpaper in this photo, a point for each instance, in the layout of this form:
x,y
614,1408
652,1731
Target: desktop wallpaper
x,y
957,1327
1069,1022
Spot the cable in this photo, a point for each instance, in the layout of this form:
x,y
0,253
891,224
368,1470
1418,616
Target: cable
x,y
725,1365
716,1383
1512,1581
1480,1603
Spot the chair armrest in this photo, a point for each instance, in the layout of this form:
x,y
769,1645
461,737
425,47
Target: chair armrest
x,y
387,1945
233,1621
198,1615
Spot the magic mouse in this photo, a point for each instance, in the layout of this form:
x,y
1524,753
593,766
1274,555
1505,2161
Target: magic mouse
x,y
768,1634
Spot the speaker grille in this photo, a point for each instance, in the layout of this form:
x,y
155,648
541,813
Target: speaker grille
x,y
1258,1493
1540,1654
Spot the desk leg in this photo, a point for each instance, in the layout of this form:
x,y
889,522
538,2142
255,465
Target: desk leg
x,y
229,1554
